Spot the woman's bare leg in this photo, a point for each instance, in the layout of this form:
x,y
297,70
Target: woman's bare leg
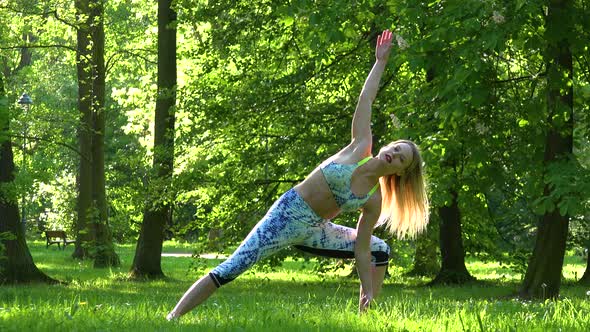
x,y
378,276
195,295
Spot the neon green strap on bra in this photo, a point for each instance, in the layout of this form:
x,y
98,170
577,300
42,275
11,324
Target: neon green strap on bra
x,y
363,161
377,185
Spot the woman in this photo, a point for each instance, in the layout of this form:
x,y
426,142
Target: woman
x,y
347,181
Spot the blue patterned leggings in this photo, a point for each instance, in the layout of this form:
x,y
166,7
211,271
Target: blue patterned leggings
x,y
290,221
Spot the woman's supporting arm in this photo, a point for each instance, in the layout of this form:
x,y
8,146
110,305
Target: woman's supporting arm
x,y
362,251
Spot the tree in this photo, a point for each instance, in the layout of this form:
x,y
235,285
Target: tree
x,y
426,257
84,177
105,254
453,269
92,209
543,276
444,116
586,277
147,260
16,262
426,262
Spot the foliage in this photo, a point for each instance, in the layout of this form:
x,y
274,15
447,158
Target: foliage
x,y
569,185
267,90
483,85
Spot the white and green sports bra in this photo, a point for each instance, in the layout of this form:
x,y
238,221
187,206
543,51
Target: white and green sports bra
x,y
338,177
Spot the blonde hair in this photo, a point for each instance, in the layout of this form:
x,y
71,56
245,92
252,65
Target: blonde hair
x,y
404,203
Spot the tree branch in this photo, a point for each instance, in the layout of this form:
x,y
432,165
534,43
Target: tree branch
x,y
108,65
522,78
313,75
50,140
54,12
45,14
67,47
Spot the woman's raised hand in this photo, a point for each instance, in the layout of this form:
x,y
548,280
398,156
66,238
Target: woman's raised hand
x,y
383,45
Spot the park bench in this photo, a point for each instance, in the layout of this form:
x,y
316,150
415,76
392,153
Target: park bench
x,y
57,237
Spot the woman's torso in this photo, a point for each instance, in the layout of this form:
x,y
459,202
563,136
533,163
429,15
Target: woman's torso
x,y
350,185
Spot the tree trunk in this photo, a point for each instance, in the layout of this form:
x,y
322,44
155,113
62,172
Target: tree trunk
x,y
16,262
426,257
105,254
94,238
453,270
585,280
543,276
84,178
147,260
26,55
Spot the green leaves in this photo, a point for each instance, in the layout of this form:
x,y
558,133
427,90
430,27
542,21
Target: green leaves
x,y
569,184
267,90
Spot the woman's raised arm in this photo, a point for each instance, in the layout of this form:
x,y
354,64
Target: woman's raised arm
x,y
361,122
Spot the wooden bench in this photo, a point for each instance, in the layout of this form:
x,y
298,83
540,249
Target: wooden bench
x,y
57,237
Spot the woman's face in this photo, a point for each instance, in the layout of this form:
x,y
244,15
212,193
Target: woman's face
x,y
397,155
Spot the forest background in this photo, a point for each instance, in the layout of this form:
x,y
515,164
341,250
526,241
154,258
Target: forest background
x,y
496,93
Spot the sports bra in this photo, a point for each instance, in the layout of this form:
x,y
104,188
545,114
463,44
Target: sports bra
x,y
338,177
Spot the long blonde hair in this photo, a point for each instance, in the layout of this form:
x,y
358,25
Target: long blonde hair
x,y
404,203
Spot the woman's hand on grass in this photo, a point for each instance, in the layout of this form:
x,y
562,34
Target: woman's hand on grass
x,y
364,302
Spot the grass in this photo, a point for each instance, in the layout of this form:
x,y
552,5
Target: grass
x,y
293,298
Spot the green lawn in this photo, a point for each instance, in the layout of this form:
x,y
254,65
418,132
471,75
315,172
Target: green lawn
x,y
294,298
